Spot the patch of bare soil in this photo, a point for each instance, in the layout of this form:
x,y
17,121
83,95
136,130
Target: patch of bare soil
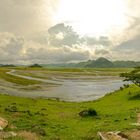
x,y
10,134
111,136
133,135
4,135
129,135
28,135
138,118
3,123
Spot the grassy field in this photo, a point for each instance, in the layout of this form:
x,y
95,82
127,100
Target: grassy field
x,y
14,79
59,120
48,73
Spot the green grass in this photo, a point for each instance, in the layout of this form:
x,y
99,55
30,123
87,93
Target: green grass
x,y
60,120
76,69
48,73
16,80
107,70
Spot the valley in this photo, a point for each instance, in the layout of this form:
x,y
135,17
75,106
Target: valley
x,y
49,118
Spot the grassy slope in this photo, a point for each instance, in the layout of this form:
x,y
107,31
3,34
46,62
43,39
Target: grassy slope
x,y
61,119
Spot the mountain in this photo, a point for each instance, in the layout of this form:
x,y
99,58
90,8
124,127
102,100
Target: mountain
x,y
126,64
98,63
35,66
7,65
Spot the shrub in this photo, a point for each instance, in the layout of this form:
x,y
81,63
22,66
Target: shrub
x,y
135,97
38,130
121,88
89,112
126,85
11,109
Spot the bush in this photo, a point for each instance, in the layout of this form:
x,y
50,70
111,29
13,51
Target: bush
x,y
126,85
88,113
11,109
121,88
135,97
38,130
133,76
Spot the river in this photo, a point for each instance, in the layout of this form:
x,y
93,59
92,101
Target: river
x,y
80,88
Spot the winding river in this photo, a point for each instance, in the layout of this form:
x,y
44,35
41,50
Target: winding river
x,y
81,88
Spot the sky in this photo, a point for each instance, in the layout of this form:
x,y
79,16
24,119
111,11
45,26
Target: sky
x,y
63,31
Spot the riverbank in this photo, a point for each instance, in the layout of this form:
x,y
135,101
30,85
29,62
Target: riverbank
x,y
75,85
52,119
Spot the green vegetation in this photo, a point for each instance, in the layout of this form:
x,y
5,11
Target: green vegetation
x,y
47,73
59,120
52,119
88,113
133,76
98,63
35,66
14,79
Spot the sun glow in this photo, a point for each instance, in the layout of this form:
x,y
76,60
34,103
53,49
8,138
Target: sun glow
x,y
93,17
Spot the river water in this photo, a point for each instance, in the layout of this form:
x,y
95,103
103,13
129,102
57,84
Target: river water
x,y
80,88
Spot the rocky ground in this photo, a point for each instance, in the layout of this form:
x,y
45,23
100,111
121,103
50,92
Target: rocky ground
x,y
4,134
129,135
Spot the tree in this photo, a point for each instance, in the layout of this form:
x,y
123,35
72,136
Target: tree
x,y
35,66
133,76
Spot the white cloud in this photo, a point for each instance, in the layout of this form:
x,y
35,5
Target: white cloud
x,y
10,47
25,17
60,36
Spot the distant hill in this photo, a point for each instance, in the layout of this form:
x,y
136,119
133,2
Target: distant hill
x,y
98,63
7,65
35,66
126,64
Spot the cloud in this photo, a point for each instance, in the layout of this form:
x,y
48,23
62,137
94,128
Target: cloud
x,y
66,33
132,27
17,50
102,40
101,52
55,55
25,17
133,44
126,55
10,47
58,46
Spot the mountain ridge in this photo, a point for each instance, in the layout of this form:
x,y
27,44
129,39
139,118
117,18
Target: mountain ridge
x,y
101,62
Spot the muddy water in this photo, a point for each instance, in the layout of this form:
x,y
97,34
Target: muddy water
x,y
80,88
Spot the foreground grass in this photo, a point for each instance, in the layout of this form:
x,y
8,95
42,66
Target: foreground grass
x,y
57,120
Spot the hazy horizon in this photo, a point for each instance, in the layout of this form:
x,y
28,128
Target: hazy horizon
x,y
60,31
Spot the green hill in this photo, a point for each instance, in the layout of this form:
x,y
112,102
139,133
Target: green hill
x,y
98,63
